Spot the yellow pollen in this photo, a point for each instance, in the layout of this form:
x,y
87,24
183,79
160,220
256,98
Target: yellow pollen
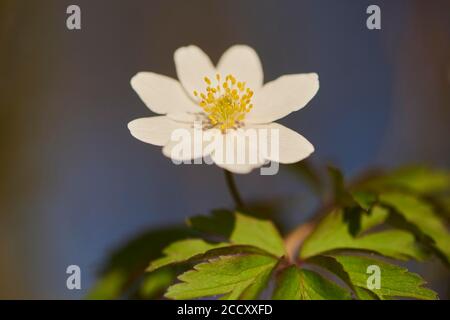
x,y
225,103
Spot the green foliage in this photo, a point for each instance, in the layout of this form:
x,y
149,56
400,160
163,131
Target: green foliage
x,y
421,215
241,229
395,281
399,215
127,265
155,283
336,231
231,276
302,284
417,179
181,251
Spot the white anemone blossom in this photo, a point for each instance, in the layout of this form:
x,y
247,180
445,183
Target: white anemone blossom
x,y
228,99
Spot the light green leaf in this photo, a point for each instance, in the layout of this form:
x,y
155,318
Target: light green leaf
x,y
333,233
230,276
420,180
183,250
241,229
258,233
395,281
302,284
422,216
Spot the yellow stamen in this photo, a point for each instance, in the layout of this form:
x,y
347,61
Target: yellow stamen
x,y
226,108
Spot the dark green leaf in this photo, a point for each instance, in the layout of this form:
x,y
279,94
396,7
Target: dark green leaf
x,y
308,173
155,283
365,200
127,265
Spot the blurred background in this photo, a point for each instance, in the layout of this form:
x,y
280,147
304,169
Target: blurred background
x,y
74,184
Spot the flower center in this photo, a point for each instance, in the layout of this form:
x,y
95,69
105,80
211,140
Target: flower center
x,y
225,103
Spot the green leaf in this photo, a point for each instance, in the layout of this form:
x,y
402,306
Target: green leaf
x,y
230,276
218,223
242,229
395,281
365,200
341,195
301,284
258,233
422,216
183,250
333,233
420,180
344,198
127,264
331,264
155,283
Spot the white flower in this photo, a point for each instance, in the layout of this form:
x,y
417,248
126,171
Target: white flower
x,y
227,97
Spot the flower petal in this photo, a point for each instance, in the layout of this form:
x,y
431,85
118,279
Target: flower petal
x,y
282,96
162,94
186,144
243,63
292,146
192,66
154,130
237,168
235,157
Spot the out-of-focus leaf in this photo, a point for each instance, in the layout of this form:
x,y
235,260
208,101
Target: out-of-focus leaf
x,y
230,276
442,205
395,281
127,265
422,216
341,196
183,250
301,284
308,173
241,229
155,283
332,233
219,223
420,180
349,199
109,286
366,200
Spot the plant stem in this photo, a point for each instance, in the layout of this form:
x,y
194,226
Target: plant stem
x,y
295,239
231,184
